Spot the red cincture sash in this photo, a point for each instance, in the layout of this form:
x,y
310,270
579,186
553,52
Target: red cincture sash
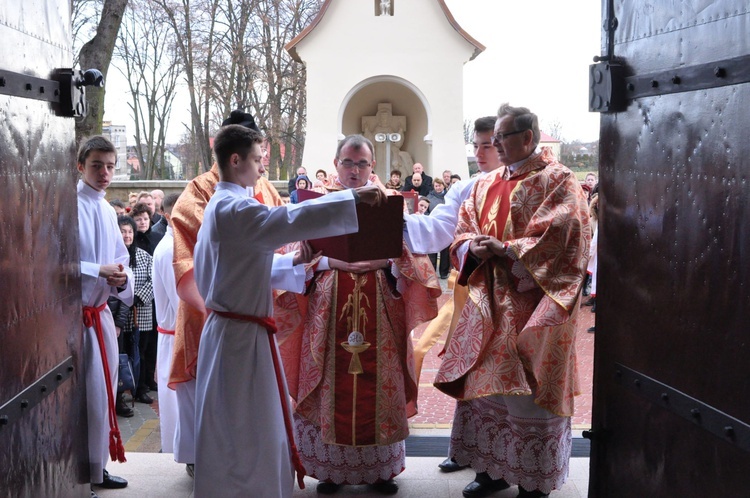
x,y
164,331
91,318
270,325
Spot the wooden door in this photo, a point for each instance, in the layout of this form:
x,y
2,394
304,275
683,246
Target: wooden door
x,y
671,410
43,438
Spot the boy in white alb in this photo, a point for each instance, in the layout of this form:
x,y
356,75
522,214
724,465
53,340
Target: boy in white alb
x,y
166,302
244,443
105,272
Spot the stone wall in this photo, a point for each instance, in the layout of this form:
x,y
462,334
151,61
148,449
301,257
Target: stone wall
x,y
120,189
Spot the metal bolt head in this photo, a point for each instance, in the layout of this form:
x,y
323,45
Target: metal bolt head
x,y
720,72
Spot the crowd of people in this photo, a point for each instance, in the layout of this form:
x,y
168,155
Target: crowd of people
x,y
273,360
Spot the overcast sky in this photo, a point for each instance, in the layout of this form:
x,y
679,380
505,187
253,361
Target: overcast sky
x,y
537,56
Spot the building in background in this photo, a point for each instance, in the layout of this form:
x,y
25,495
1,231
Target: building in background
x,y
117,134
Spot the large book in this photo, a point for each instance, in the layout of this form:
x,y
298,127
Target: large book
x,y
380,234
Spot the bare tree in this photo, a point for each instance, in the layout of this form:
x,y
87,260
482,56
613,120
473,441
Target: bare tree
x,y
468,131
554,128
97,53
151,66
194,26
254,72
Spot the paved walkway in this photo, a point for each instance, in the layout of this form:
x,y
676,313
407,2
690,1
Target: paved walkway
x,y
157,474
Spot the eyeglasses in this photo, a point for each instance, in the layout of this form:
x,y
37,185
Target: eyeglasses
x,y
348,163
499,137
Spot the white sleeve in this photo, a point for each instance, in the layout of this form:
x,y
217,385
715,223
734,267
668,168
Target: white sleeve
x,y
285,275
433,233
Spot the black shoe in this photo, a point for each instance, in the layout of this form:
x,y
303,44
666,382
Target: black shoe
x,y
152,386
190,469
522,493
121,408
388,487
450,465
591,329
144,398
590,302
94,495
327,488
593,307
484,485
112,482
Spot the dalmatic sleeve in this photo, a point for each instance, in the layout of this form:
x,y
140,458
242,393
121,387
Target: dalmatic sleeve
x,y
553,245
467,229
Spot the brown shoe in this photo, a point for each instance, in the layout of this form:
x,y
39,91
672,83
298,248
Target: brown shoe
x,y
121,408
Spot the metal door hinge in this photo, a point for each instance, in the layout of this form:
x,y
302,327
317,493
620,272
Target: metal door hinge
x,y
65,90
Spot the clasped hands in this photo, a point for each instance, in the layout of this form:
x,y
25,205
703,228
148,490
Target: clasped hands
x,y
114,273
485,247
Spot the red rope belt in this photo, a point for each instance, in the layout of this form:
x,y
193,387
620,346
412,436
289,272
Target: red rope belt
x,y
164,331
91,318
270,325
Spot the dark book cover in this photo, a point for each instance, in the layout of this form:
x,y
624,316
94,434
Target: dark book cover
x,y
380,234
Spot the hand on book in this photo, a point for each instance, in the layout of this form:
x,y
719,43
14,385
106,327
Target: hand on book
x,y
372,195
358,267
305,254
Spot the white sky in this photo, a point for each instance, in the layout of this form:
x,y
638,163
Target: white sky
x,y
537,56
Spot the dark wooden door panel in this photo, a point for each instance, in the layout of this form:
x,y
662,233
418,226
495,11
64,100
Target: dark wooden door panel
x,y
673,301
43,442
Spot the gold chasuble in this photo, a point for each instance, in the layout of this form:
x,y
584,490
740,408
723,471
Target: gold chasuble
x,y
187,218
516,332
347,349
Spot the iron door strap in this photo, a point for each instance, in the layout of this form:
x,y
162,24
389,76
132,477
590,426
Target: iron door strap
x,y
27,399
65,90
726,427
610,88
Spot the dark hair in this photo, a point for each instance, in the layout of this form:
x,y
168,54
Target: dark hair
x,y
457,177
98,143
396,172
485,124
139,208
321,171
234,139
423,198
523,119
356,142
303,178
168,203
117,203
242,118
123,220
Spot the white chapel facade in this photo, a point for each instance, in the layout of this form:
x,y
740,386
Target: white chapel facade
x,y
386,66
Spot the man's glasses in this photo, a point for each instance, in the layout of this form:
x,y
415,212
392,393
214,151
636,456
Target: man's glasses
x,y
499,137
348,163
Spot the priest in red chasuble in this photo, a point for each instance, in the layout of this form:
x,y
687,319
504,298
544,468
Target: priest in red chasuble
x,y
522,244
347,352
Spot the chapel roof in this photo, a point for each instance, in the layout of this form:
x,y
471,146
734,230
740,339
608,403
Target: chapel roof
x,y
291,47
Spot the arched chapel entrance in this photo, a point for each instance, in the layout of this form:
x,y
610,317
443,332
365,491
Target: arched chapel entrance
x,y
393,104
